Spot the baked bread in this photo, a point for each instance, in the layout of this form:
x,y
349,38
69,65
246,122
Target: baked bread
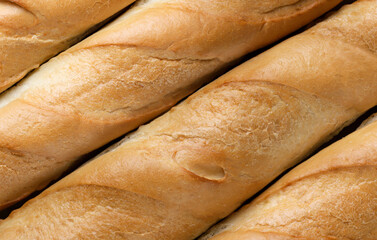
x,y
178,175
330,196
126,74
32,31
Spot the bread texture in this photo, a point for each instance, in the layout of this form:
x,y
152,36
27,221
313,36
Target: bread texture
x,y
176,176
330,196
32,31
126,74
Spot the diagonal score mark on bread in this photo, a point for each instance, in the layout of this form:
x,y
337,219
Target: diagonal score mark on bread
x,y
126,74
221,145
331,195
33,31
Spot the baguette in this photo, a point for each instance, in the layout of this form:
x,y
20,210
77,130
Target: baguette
x,y
179,174
126,74
330,196
32,31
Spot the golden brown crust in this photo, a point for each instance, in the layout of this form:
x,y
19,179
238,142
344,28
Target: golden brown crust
x,y
32,31
207,155
126,74
330,196
253,24
252,235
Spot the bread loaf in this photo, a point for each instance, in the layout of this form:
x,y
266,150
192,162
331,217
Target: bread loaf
x,y
126,74
330,196
187,169
32,31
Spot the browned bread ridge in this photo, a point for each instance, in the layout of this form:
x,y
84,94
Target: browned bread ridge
x,y
32,31
126,74
178,175
333,195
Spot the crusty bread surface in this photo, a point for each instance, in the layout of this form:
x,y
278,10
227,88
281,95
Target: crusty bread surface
x,y
126,74
330,196
176,176
32,31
